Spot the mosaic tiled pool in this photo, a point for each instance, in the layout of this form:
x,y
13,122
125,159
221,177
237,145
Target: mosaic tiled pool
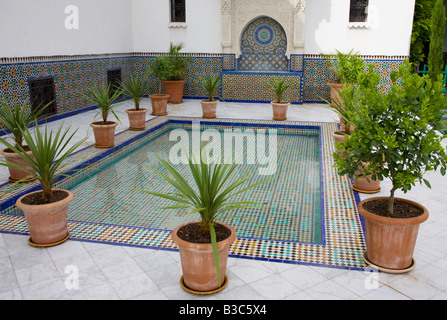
x,y
309,212
290,202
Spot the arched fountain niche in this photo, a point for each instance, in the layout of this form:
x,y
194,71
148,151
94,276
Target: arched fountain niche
x,y
261,39
263,46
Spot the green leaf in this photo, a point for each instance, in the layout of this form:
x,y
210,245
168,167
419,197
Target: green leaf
x,y
215,251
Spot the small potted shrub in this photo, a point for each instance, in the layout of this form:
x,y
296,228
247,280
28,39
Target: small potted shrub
x,y
204,244
209,106
15,120
46,211
395,137
174,82
104,130
160,69
134,87
279,87
345,68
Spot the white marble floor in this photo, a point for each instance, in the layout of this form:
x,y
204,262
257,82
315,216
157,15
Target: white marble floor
x,y
122,273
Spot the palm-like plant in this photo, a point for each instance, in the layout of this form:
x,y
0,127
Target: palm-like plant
x,y
279,86
104,97
18,118
212,197
211,85
48,150
135,87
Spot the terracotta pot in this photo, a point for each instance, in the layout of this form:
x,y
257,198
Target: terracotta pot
x,y
336,88
279,110
199,270
390,242
47,223
159,104
104,133
362,185
14,173
175,90
339,136
209,108
137,119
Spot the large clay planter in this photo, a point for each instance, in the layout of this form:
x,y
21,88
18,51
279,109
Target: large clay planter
x,y
365,184
362,185
199,270
175,90
390,242
209,108
339,136
17,174
159,103
279,110
137,119
47,223
104,134
336,88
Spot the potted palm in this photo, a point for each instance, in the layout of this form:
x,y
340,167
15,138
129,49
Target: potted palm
x,y
396,136
175,82
210,85
46,210
160,69
104,130
204,244
135,87
279,106
345,68
15,120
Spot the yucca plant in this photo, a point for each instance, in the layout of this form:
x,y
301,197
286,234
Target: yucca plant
x,y
210,197
135,87
279,87
211,85
104,97
17,118
49,150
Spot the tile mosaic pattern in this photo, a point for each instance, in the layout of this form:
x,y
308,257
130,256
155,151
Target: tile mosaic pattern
x,y
291,202
263,46
254,87
316,76
71,77
343,241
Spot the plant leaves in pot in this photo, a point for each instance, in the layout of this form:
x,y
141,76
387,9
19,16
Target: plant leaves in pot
x,y
211,86
134,87
397,136
210,194
279,107
16,119
105,97
46,211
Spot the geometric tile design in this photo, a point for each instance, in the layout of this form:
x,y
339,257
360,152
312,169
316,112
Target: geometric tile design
x,y
263,46
342,234
316,76
256,87
291,208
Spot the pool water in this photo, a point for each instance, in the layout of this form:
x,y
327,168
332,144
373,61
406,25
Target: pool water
x,y
291,202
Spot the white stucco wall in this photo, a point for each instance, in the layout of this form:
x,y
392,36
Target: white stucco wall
x,y
151,31
388,32
37,27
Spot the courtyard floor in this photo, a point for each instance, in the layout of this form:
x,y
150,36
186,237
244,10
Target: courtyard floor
x,y
127,273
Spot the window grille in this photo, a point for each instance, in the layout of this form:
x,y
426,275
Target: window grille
x,y
114,79
178,11
358,11
42,92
